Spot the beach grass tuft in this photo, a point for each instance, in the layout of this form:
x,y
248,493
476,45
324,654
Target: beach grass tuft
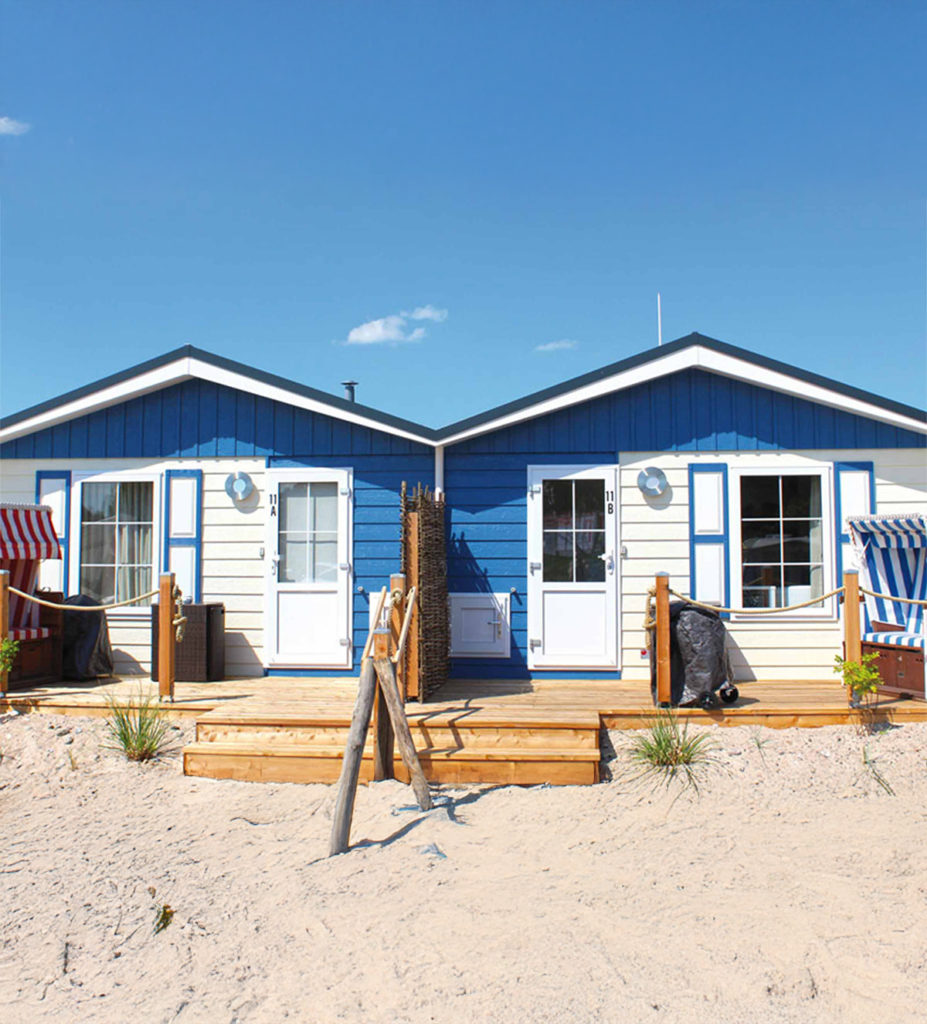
x,y
137,727
665,751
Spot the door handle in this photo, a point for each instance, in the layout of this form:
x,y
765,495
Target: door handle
x,y
609,559
534,566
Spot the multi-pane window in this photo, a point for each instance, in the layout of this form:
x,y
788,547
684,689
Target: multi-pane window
x,y
116,533
308,533
782,540
574,531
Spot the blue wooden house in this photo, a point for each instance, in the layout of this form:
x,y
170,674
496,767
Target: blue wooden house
x,y
733,472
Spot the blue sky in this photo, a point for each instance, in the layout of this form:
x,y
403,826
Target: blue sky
x,y
429,197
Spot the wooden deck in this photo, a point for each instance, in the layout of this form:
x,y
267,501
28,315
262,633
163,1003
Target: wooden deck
x,y
294,729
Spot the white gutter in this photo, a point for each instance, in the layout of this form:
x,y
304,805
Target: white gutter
x,y
439,470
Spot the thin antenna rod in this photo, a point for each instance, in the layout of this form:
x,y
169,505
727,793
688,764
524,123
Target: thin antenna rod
x,y
659,322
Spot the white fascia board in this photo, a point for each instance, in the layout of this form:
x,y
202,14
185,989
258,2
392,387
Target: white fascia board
x,y
188,368
703,358
230,379
750,373
143,384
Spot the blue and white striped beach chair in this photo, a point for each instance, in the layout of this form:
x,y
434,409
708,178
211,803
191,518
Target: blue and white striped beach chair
x,y
891,551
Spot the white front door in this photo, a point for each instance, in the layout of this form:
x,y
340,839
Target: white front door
x,y
309,568
572,567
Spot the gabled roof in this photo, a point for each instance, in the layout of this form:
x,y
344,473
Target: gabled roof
x,y
188,363
692,351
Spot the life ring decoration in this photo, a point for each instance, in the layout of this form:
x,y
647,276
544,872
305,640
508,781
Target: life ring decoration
x,y
239,487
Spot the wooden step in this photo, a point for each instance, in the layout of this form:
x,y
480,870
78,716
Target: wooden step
x,y
474,735
256,762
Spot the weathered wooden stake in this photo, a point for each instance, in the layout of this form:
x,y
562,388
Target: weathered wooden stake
x,y
397,583
351,764
4,619
383,746
662,642
386,674
166,641
851,629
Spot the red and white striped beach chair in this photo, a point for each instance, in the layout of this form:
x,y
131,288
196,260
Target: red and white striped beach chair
x,y
26,537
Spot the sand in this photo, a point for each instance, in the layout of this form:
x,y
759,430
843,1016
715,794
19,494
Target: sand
x,y
792,889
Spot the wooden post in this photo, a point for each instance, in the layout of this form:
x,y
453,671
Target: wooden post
x,y
386,674
397,583
4,619
662,642
166,636
351,763
413,690
851,630
382,727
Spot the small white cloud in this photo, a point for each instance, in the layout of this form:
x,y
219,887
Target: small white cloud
x,y
394,329
10,127
427,313
556,346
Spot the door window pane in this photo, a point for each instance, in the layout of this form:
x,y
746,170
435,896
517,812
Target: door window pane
x,y
558,504
324,558
135,501
294,566
324,507
294,507
590,504
558,556
590,561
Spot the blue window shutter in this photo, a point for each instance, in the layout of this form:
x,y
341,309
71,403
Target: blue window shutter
x,y
854,495
709,534
53,487
182,550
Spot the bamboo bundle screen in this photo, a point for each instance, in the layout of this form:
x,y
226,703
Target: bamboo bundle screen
x,y
424,561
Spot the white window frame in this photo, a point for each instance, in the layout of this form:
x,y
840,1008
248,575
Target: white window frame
x,y
130,613
828,610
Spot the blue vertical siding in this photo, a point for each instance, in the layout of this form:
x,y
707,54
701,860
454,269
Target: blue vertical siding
x,y
486,477
202,419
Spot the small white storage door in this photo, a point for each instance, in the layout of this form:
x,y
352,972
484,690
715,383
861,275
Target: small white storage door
x,y
572,567
479,625
309,570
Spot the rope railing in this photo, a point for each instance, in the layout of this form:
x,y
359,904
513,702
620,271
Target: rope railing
x,y
757,611
892,598
82,607
178,620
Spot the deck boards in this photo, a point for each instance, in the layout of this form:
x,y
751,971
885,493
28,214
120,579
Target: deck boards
x,y
293,729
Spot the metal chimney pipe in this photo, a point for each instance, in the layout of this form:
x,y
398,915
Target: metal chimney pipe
x,y
349,386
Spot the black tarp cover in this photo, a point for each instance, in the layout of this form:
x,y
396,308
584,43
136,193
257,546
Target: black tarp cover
x,y
86,652
697,662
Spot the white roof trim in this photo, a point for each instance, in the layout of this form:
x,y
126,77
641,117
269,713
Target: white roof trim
x,y
707,359
188,368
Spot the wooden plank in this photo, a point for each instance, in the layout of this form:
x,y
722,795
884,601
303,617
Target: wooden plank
x,y
350,767
412,683
662,641
386,674
853,649
383,740
166,640
397,585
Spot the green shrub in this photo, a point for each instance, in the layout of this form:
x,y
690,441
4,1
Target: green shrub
x,y
137,727
859,677
665,751
8,651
